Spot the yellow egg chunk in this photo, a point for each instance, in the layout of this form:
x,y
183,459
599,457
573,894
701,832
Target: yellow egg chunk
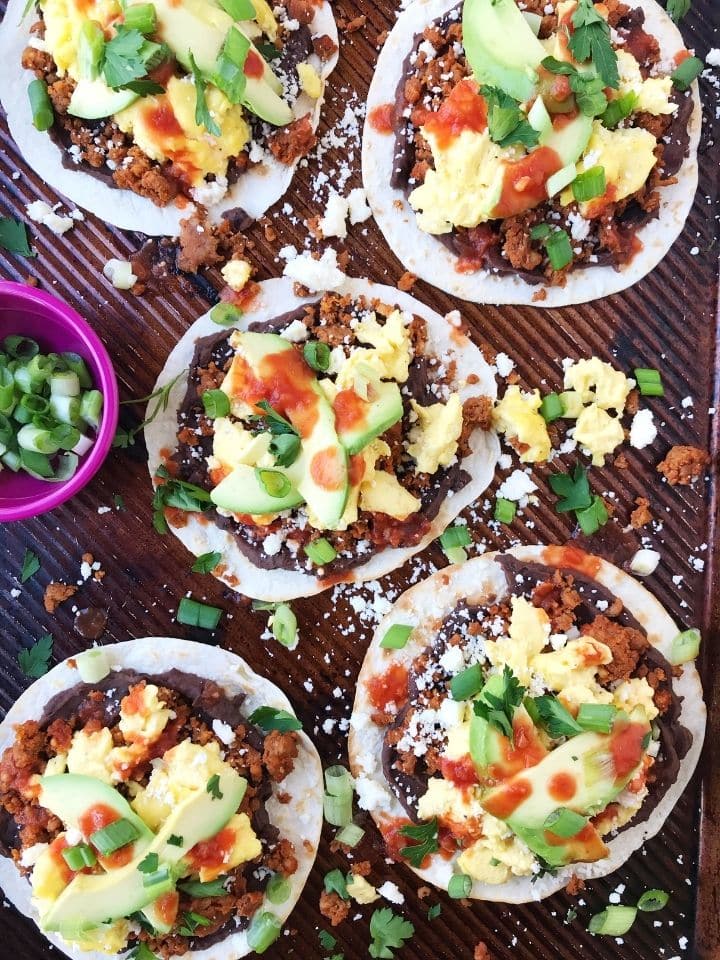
x,y
164,128
653,94
265,18
90,754
443,800
56,765
458,745
143,717
184,770
361,891
598,433
635,692
391,354
310,81
233,445
381,492
528,633
598,382
575,694
577,662
465,186
48,880
434,437
499,844
63,20
236,274
246,847
517,416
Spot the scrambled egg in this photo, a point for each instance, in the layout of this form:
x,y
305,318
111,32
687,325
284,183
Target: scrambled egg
x,y
528,633
445,801
569,664
109,938
310,81
497,855
389,358
517,416
434,438
56,765
465,186
146,723
635,692
458,740
90,754
183,770
246,847
598,382
47,880
164,128
653,94
381,492
234,445
236,274
598,433
627,156
361,891
265,18
63,20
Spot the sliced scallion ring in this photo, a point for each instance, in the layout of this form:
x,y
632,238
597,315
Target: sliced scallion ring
x,y
113,837
614,921
273,482
192,613
350,836
396,637
278,889
459,886
283,624
320,551
685,647
263,931
653,900
564,823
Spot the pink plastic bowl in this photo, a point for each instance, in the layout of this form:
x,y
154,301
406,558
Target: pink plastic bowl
x,y
56,327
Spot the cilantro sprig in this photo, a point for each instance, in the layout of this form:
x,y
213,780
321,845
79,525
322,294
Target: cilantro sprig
x,y
590,40
207,562
336,882
285,443
507,124
268,718
558,721
499,710
203,117
425,836
35,660
178,494
389,932
129,56
191,922
126,438
30,566
14,237
587,87
678,9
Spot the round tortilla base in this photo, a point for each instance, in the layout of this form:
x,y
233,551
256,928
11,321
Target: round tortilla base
x,y
424,255
277,298
426,605
299,821
255,192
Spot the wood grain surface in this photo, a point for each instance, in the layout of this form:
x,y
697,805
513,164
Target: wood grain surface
x,y
668,321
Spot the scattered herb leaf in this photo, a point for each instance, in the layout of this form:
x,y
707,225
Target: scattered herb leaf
x,y
389,932
207,562
35,660
500,710
30,566
213,787
14,237
426,835
268,718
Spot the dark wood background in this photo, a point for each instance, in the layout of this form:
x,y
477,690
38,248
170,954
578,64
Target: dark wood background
x,y
667,321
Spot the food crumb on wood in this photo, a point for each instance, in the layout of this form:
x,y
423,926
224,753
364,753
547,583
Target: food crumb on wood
x,y
57,593
334,908
641,515
574,885
481,951
407,281
683,465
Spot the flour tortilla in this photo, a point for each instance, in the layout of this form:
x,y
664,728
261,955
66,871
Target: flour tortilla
x,y
277,298
426,606
427,257
300,820
255,192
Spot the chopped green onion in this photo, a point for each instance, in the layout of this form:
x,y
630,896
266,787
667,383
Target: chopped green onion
x,y
598,717
21,348
7,391
559,249
456,554
34,404
649,382
338,781
564,823
225,314
113,837
273,482
41,106
142,17
36,464
75,363
593,517
468,683
459,886
337,810
6,430
11,460
505,510
90,49
92,665
263,931
284,625
65,383
24,379
216,404
653,900
158,876
589,184
91,404
350,836
614,921
685,647
278,889
40,368
194,614
456,536
688,71
540,232
320,551
551,407
317,355
66,436
36,440
79,857
66,409
396,637
619,109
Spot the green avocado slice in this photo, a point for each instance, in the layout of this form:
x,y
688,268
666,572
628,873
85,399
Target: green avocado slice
x,y
94,99
369,418
91,900
494,756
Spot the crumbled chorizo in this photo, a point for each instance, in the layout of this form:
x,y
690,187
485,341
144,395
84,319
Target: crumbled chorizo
x,y
641,515
559,599
293,141
683,465
198,243
334,908
279,753
625,643
57,593
282,859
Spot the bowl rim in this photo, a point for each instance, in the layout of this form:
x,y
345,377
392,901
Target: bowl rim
x,y
57,494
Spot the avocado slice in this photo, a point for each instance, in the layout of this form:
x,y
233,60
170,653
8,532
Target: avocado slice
x,y
382,409
94,99
501,47
93,899
584,774
242,492
570,140
494,756
321,468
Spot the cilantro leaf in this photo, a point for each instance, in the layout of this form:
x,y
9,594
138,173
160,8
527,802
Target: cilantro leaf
x,y
144,88
149,864
619,109
500,710
14,237
178,494
389,932
206,562
203,117
327,940
35,660
335,882
507,124
285,448
573,489
268,718
591,41
141,952
272,421
30,566
212,888
122,59
589,92
678,9
555,718
191,921
213,787
426,835
434,911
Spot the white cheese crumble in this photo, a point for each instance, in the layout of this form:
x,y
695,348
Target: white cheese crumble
x,y
642,429
645,562
120,274
517,486
322,274
390,891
